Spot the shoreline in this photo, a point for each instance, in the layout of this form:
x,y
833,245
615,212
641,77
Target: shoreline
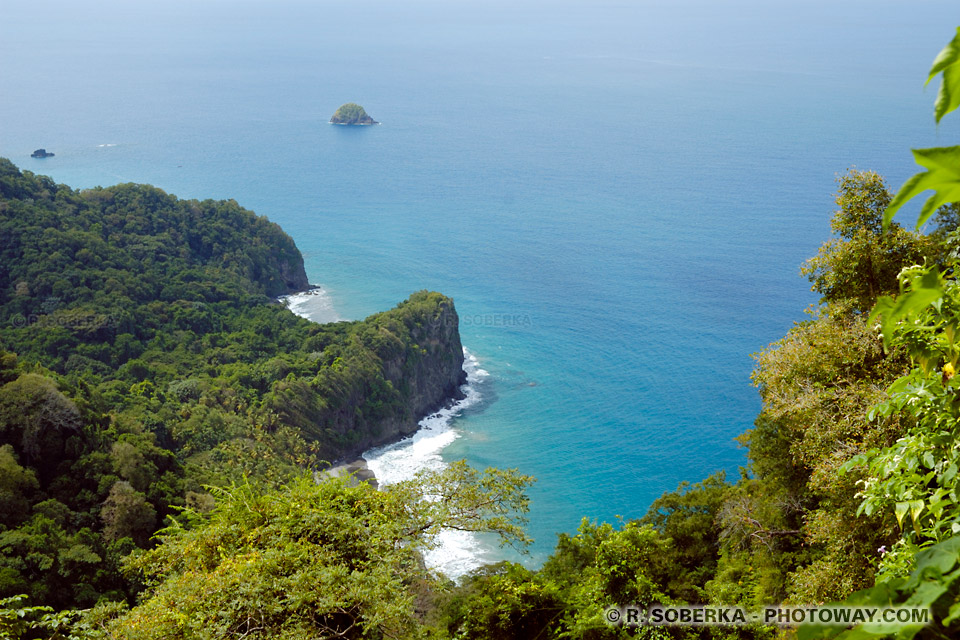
x,y
297,303
313,303
456,552
447,404
357,470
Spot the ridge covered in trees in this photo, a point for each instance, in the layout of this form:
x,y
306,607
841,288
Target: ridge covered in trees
x,y
144,358
850,493
275,554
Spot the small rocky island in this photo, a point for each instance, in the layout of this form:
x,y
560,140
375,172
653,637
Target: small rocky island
x,y
352,113
41,153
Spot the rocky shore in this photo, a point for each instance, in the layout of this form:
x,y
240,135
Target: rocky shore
x,y
357,472
401,366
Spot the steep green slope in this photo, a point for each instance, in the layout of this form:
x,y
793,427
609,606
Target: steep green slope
x,y
143,356
788,530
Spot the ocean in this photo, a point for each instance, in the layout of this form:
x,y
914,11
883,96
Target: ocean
x,y
618,195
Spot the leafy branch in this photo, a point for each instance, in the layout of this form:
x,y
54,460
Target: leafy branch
x,y
942,163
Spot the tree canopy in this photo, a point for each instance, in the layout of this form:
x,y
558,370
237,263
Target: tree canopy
x,y
313,559
143,359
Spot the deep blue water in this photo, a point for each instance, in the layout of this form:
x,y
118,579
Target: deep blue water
x,y
618,195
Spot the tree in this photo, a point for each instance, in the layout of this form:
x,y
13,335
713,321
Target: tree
x,y
36,418
127,514
863,263
687,518
916,477
600,567
793,523
17,488
313,559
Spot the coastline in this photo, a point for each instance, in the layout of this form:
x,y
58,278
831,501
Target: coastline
x,y
433,379
358,470
455,553
449,407
313,304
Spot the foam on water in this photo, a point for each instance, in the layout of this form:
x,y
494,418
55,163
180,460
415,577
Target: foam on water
x,y
455,552
314,304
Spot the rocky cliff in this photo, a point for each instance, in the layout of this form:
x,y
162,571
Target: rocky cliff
x,y
280,266
167,305
393,369
429,372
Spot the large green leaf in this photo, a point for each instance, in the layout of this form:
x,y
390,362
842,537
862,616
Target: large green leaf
x,y
943,556
942,176
947,62
953,614
916,508
925,289
900,510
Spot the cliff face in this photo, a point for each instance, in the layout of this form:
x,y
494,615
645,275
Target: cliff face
x,y
293,274
426,373
282,268
395,368
430,377
140,286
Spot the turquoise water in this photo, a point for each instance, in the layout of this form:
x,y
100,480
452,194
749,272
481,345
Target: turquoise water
x,y
618,195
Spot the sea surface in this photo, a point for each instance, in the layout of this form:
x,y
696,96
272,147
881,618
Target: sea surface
x,y
617,194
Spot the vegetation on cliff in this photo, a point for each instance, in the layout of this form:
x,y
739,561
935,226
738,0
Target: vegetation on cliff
x,y
787,531
143,359
851,490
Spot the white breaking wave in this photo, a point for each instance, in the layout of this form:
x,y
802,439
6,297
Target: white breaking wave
x,y
456,552
108,144
314,304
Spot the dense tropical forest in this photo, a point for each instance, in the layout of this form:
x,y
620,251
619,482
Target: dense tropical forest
x,y
161,416
144,358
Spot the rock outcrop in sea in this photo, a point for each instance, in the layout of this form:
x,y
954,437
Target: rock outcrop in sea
x,y
353,114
